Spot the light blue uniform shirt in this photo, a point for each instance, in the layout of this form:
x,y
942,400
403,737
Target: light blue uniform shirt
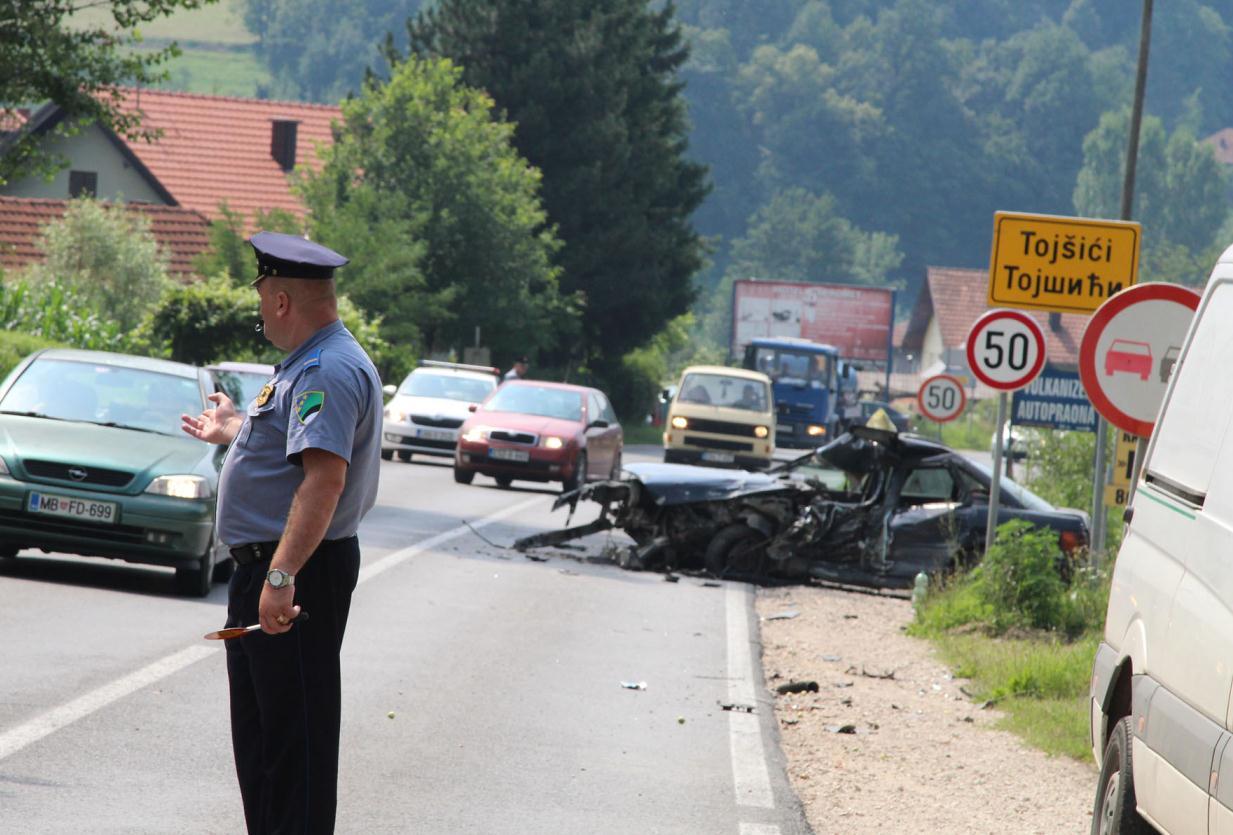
x,y
326,395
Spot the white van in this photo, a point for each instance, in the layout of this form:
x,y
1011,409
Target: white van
x,y
1160,693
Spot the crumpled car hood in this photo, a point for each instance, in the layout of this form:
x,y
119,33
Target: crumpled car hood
x,y
671,484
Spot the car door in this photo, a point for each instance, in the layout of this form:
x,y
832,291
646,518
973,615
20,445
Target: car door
x,y
924,530
616,435
599,446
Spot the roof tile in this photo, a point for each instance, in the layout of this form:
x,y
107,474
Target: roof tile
x,y
181,233
218,148
958,297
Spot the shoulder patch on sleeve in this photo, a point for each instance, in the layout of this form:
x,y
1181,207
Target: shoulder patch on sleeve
x,y
313,360
308,405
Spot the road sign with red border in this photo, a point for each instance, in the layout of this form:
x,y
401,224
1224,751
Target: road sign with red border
x,y
1129,350
941,398
1006,349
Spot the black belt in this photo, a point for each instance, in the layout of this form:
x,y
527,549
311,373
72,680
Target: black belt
x,y
253,552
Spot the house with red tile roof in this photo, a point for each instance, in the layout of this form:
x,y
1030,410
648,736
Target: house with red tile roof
x,y
948,304
209,150
182,234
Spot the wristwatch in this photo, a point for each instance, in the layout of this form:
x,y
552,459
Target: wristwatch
x,y
279,579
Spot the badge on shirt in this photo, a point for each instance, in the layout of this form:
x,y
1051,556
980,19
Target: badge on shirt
x,y
263,396
308,405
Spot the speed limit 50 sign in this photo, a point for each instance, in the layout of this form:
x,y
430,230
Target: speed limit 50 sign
x,y
941,398
1006,349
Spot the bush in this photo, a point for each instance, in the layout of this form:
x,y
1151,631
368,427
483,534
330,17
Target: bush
x,y
14,347
1019,578
58,315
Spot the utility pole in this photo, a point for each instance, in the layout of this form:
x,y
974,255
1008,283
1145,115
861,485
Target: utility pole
x,y
1128,194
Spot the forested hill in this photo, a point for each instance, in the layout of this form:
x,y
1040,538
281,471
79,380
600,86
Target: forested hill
x,y
920,119
861,140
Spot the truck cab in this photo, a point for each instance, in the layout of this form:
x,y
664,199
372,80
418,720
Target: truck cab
x,y
811,383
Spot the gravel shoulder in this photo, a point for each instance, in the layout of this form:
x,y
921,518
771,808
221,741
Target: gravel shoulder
x,y
923,757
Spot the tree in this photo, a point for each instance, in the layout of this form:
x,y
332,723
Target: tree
x,y
798,236
1180,194
318,50
107,258
440,217
48,52
593,90
230,253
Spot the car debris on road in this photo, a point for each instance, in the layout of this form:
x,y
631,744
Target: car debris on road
x,y
871,508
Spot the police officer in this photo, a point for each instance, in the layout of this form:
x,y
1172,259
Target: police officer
x,y
300,473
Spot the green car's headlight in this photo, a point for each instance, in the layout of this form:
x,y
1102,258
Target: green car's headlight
x,y
180,487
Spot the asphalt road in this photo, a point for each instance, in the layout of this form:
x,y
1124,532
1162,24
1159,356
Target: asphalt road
x,y
504,677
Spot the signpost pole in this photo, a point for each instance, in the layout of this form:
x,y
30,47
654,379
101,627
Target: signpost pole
x,y
1098,494
1128,191
995,486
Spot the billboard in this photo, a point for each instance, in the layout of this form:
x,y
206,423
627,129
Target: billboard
x,y
1054,400
857,320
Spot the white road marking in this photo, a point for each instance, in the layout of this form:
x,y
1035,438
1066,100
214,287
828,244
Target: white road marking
x,y
27,733
759,829
53,720
750,776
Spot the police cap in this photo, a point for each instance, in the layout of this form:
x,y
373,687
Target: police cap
x,y
291,256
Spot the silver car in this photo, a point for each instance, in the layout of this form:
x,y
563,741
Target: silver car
x,y
424,413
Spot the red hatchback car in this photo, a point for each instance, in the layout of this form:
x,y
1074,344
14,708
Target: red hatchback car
x,y
536,431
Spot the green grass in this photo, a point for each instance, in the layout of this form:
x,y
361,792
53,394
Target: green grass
x,y
217,72
640,433
218,23
1040,684
1037,679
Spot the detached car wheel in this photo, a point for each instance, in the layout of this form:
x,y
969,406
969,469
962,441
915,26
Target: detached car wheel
x,y
196,579
736,552
464,476
1115,813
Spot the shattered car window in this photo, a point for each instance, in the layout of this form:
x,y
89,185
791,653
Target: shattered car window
x,y
721,390
932,484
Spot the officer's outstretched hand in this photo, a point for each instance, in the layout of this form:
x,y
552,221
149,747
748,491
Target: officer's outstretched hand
x,y
215,426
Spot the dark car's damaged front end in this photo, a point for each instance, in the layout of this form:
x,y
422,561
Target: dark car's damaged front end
x,y
871,508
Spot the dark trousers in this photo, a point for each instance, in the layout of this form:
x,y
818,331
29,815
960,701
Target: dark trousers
x,y
286,695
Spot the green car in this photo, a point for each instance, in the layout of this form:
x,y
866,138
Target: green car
x,y
93,461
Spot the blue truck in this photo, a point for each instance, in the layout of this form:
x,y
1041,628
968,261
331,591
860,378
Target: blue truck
x,y
812,385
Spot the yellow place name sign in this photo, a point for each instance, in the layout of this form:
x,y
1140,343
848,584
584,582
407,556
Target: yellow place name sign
x,y
1060,264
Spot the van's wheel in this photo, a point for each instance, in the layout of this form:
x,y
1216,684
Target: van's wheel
x,y
464,476
736,552
1114,813
196,578
387,454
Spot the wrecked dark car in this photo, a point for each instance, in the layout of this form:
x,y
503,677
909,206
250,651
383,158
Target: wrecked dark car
x,y
870,508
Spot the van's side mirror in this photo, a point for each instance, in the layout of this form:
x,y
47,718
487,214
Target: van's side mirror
x,y
665,396
472,407
389,390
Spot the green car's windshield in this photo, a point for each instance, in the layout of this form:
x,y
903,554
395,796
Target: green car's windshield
x,y
105,394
